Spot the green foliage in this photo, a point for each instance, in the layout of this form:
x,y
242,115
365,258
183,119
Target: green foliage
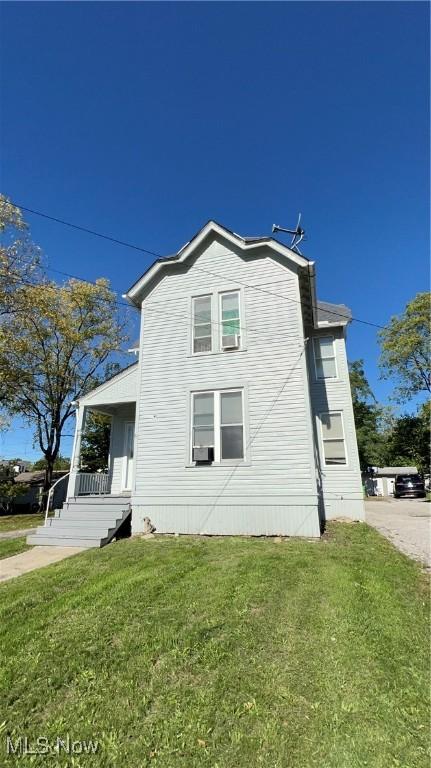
x,y
19,258
229,652
50,355
60,463
405,348
367,415
408,441
95,442
9,491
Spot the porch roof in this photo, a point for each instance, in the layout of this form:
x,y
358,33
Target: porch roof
x,y
119,389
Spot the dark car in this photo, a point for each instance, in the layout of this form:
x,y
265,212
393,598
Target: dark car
x,y
409,486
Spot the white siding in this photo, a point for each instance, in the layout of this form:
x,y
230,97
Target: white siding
x,y
341,485
274,490
121,388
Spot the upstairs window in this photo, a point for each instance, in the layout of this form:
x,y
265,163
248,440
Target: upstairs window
x,y
230,320
334,447
202,327
218,423
324,357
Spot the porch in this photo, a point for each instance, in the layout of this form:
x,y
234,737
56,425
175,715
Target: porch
x,y
116,399
115,479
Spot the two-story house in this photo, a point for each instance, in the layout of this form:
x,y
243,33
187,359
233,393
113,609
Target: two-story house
x,y
237,416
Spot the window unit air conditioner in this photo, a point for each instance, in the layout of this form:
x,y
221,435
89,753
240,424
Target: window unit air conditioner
x,y
230,342
203,455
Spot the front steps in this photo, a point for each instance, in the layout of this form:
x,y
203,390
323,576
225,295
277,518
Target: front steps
x,y
84,521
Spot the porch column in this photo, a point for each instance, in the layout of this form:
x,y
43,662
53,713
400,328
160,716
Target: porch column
x,y
75,460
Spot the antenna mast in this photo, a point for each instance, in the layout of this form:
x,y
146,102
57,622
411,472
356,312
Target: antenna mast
x,y
298,234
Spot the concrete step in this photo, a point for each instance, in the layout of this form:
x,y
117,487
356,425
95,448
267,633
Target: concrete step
x,y
96,499
62,541
88,508
83,514
82,530
77,521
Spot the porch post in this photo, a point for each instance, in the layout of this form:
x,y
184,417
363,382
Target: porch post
x,y
75,461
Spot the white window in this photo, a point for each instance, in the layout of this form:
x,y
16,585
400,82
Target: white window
x,y
230,320
218,423
334,446
202,327
324,356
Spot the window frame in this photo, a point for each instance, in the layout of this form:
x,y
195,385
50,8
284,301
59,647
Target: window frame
x,y
332,357
324,440
231,292
210,323
217,393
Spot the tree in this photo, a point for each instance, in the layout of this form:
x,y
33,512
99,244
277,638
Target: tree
x,y
95,442
407,441
367,414
60,463
51,351
20,259
405,348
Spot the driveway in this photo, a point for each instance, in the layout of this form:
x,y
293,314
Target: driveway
x,y
406,523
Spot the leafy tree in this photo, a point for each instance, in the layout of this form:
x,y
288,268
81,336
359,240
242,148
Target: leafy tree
x,y
367,414
405,348
9,491
19,258
51,354
95,442
407,442
60,463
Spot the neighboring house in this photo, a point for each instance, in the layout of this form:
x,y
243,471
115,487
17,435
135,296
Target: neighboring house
x,y
237,416
381,481
32,498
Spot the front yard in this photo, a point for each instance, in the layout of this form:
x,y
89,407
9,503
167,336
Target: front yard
x,y
17,522
222,652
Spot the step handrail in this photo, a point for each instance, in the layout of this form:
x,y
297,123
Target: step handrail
x,y
50,494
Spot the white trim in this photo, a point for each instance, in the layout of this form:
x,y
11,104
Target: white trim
x,y
331,357
212,227
333,439
236,291
210,323
218,461
106,384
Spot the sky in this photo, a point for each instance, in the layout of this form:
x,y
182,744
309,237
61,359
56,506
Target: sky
x,y
144,120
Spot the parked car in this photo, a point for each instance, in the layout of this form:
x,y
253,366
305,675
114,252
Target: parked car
x,y
410,486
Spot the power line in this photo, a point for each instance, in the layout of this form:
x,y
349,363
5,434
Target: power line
x,y
157,255
88,231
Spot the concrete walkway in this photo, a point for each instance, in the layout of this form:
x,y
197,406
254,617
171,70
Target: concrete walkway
x,y
16,534
406,523
34,558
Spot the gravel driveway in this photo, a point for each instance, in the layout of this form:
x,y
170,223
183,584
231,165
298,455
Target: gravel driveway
x,y
406,523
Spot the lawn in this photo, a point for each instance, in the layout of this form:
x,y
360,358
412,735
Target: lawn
x,y
9,547
17,522
227,653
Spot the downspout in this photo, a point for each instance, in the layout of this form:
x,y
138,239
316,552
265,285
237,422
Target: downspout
x,y
312,279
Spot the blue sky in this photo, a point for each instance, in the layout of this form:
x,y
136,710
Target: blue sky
x,y
144,120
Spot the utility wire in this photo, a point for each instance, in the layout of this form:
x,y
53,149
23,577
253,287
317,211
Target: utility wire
x,y
157,255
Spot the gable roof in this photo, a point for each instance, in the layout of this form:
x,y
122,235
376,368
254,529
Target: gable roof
x,y
246,244
318,312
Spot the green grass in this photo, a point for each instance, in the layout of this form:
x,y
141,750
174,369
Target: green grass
x,y
222,653
9,547
17,522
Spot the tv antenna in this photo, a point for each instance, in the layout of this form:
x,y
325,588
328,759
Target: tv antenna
x,y
298,234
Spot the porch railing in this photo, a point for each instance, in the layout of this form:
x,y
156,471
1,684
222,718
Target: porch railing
x,y
89,483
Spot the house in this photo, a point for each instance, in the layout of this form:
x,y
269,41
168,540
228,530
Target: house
x,y
33,482
381,481
236,417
